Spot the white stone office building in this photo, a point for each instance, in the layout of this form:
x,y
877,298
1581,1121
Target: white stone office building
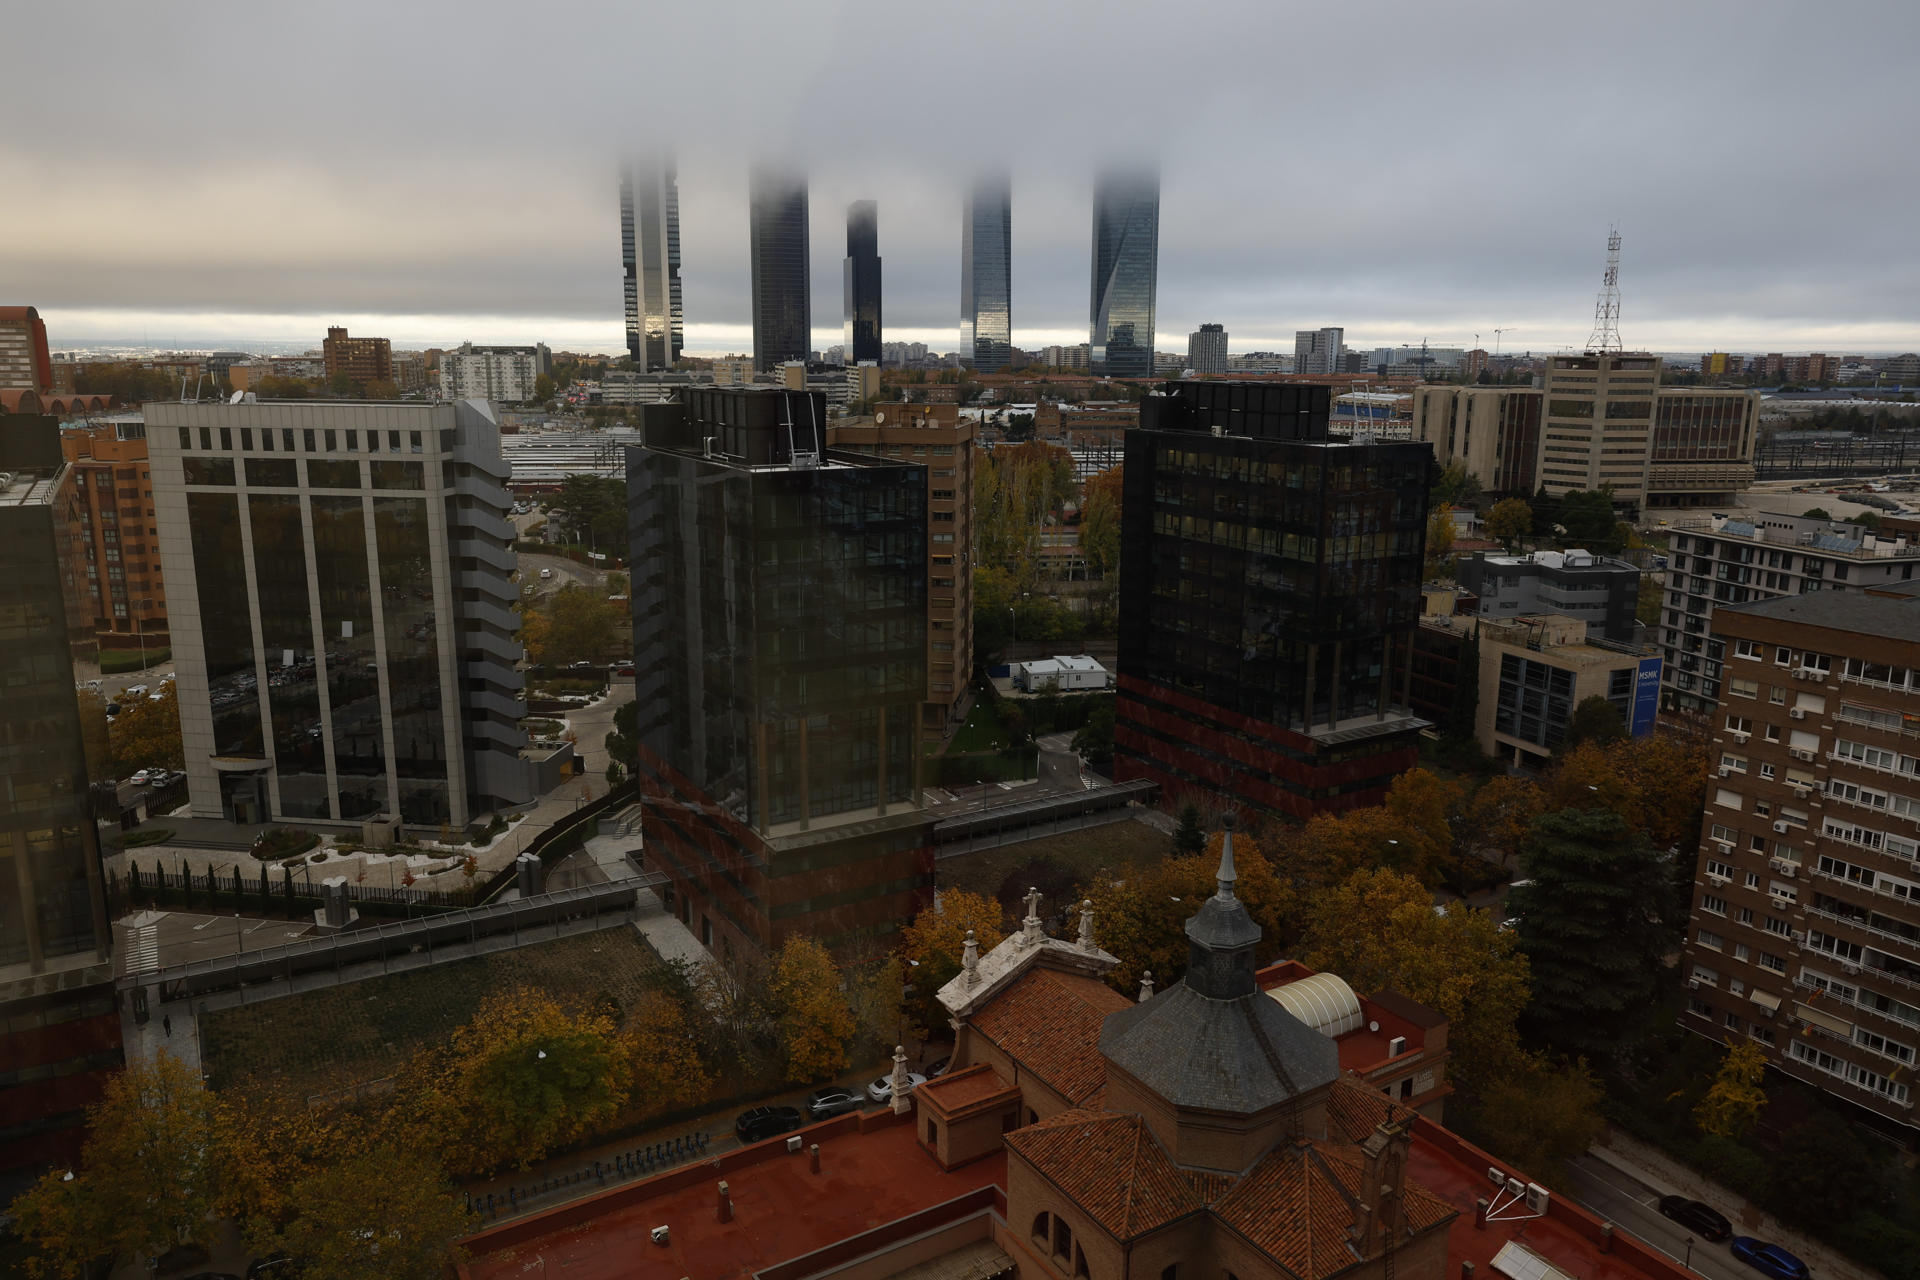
x,y
502,374
340,588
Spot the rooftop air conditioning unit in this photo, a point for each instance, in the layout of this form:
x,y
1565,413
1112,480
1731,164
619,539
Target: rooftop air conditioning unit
x,y
1497,1178
1798,713
1726,770
1537,1197
1780,899
1801,790
1801,754
1780,827
1717,881
660,1235
1741,736
1396,1046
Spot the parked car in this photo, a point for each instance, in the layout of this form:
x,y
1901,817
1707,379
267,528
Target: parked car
x,y
113,708
1769,1259
823,1104
546,573
141,778
1696,1217
938,1067
881,1090
762,1123
136,690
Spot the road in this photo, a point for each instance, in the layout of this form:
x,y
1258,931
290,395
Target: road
x,y
152,939
1059,763
1631,1206
564,571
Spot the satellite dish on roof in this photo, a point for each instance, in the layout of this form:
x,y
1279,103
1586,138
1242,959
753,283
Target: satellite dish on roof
x,y
235,397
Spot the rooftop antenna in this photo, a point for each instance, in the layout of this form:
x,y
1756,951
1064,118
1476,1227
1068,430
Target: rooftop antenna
x,y
1606,310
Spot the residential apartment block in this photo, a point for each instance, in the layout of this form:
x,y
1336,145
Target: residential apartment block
x,y
503,374
1804,934
121,533
24,358
939,439
363,360
340,594
1207,349
1723,561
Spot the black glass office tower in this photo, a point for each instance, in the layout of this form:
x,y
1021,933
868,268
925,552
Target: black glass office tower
x,y
780,633
861,278
1126,260
782,302
650,251
986,275
1269,592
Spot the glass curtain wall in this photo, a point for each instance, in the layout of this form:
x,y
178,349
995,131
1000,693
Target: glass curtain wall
x,y
413,657
353,673
286,633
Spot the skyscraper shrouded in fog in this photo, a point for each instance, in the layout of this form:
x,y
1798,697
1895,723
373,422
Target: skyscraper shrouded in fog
x,y
986,275
782,302
1126,257
650,251
861,279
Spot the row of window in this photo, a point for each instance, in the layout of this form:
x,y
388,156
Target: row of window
x,y
309,440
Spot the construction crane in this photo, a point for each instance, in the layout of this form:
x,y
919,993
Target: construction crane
x,y
1496,339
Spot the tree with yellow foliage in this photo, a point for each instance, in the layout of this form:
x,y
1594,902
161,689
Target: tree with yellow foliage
x,y
665,1059
815,1023
525,1075
383,1210
933,944
146,734
1732,1106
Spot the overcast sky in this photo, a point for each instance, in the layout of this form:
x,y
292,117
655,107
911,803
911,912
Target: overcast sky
x,y
209,173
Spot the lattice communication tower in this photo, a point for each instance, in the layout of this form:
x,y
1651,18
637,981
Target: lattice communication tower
x,y
1606,310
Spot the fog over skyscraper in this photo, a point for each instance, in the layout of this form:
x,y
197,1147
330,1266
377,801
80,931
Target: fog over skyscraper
x,y
782,301
986,275
650,251
861,282
1126,258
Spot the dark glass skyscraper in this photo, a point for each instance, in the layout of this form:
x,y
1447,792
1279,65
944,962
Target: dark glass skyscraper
x,y
650,250
1269,591
782,302
861,277
986,275
1126,263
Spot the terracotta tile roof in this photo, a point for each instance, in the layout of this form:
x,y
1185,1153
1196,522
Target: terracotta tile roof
x,y
965,1092
1299,1203
1111,1166
1354,1110
1049,1023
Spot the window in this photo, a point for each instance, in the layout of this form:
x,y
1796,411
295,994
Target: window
x,y
1772,963
1713,941
1748,649
1713,905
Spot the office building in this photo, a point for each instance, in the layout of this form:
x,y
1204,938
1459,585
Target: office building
x,y
339,591
780,632
1254,362
1319,351
505,375
986,275
24,359
1804,933
936,437
1723,560
1536,669
1597,590
1207,349
1597,427
861,283
125,586
59,1021
360,360
1126,268
1493,432
650,255
1269,589
1700,451
779,244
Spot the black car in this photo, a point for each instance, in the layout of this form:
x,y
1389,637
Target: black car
x,y
762,1123
1697,1217
823,1104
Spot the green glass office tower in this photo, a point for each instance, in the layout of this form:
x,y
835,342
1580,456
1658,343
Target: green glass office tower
x,y
986,275
779,242
1126,265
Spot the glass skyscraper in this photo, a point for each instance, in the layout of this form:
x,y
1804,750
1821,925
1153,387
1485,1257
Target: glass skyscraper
x,y
59,1022
986,275
782,301
650,251
780,635
1126,262
862,283
341,603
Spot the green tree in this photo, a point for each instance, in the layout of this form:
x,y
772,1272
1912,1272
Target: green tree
x,y
1824,1173
146,733
1440,534
594,509
815,1023
1456,486
575,624
1593,922
384,1210
1188,837
1510,520
1816,513
1094,739
1733,1105
147,1178
1542,1113
1594,720
543,388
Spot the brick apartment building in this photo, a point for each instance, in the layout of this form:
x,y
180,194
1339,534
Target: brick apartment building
x,y
115,491
362,359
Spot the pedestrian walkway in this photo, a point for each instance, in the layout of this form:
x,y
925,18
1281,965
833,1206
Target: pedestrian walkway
x,y
1668,1176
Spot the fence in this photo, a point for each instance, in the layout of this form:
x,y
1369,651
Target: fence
x,y
562,838
641,1162
236,891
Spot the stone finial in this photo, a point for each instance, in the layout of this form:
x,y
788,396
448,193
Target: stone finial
x,y
1030,934
899,1081
1224,877
1086,926
1146,985
970,960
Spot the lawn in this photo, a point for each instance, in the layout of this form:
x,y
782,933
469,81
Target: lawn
x,y
982,731
115,662
331,1040
1057,864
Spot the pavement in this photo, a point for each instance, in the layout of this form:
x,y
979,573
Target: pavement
x,y
564,571
1624,1178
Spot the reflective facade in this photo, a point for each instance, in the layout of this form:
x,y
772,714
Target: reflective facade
x,y
861,283
343,633
1269,590
780,635
782,300
59,1024
650,252
986,275
1126,264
